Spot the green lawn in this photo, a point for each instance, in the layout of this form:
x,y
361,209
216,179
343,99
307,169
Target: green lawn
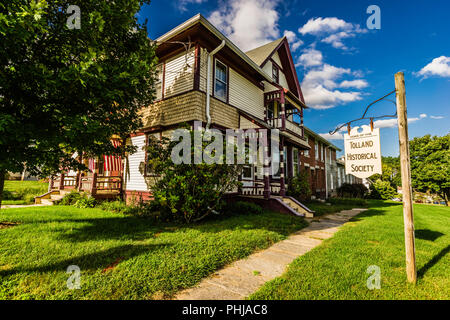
x,y
337,268
122,257
22,192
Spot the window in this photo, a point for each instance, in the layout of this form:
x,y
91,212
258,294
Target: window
x,y
159,81
323,153
275,73
220,82
317,150
149,170
295,161
247,173
306,152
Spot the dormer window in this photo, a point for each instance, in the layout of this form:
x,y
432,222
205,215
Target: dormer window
x,y
275,74
220,81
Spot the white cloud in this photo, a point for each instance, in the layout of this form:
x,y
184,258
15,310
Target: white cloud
x,y
437,117
358,84
293,40
332,30
391,123
248,23
335,136
310,57
438,67
422,115
320,25
182,4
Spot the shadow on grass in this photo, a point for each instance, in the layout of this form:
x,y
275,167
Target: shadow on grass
x,y
137,228
92,261
433,261
426,234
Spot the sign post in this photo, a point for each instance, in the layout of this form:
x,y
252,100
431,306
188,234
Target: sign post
x,y
408,218
362,152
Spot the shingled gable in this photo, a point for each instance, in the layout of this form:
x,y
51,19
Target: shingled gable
x,y
263,54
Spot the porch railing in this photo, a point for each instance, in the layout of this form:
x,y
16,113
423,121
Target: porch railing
x,y
92,183
289,125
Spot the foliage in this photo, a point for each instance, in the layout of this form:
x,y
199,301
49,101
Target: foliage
x,y
348,190
78,200
88,202
390,171
382,190
70,90
187,191
299,187
430,165
373,237
25,191
242,207
123,257
70,198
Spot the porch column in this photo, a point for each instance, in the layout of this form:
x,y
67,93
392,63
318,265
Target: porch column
x,y
61,181
94,179
282,169
282,110
266,167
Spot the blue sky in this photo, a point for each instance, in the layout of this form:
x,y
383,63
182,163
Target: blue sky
x,y
341,64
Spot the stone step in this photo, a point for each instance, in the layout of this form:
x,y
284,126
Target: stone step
x,y
56,196
47,202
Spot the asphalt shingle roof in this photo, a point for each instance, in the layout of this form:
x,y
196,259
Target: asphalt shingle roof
x,y
258,55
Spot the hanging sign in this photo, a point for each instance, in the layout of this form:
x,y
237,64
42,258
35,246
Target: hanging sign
x,y
362,152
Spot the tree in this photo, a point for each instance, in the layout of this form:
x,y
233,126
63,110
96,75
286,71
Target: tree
x,y
430,165
65,90
390,171
382,190
188,192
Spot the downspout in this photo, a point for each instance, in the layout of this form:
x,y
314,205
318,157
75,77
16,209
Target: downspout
x,y
326,177
208,83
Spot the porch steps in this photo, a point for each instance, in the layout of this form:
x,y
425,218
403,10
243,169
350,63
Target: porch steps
x,y
50,197
298,207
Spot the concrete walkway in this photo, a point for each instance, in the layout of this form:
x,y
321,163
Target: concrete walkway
x,y
241,278
12,206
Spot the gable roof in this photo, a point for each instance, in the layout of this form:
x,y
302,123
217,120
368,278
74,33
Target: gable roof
x,y
198,19
264,53
260,54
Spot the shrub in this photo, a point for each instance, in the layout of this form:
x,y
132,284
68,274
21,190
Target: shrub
x,y
242,207
347,201
348,190
382,190
70,198
299,188
188,192
88,202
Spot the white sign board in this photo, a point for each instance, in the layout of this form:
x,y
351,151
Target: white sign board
x,y
362,152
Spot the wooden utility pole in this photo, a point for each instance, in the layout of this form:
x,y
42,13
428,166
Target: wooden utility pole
x,y
408,218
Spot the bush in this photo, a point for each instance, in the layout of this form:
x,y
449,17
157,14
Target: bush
x,y
382,190
299,188
187,192
348,201
348,190
88,202
241,208
70,198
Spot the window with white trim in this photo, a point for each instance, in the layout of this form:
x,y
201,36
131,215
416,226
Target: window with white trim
x,y
295,161
306,152
317,150
220,81
158,82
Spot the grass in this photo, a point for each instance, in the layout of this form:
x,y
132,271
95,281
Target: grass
x,y
321,208
122,257
337,268
22,192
